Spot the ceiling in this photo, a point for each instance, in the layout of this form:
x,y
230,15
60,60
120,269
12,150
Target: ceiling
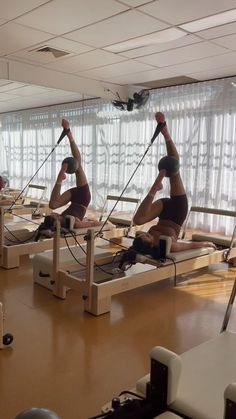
x,y
60,51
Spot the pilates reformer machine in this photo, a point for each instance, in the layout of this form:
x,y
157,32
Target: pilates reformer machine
x,y
94,270
21,241
5,339
198,384
18,241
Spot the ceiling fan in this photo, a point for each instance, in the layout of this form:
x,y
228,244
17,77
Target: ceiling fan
x,y
138,100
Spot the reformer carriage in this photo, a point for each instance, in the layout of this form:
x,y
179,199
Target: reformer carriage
x,y
18,239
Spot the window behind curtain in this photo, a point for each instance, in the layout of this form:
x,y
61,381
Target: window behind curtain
x,y
202,121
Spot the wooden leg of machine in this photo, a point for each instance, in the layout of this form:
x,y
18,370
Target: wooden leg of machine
x,y
9,259
92,303
95,305
58,288
1,326
7,338
1,234
89,272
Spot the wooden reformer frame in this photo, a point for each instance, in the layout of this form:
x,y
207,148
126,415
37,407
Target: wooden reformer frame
x,y
97,296
10,255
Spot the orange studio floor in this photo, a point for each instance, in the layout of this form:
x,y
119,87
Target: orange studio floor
x,y
72,362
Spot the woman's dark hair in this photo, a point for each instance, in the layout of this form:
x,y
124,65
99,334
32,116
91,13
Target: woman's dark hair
x,y
49,222
141,246
128,256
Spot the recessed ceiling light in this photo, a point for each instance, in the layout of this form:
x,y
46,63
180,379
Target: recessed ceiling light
x,y
166,35
210,21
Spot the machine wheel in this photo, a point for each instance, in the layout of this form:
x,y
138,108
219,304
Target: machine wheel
x,y
7,339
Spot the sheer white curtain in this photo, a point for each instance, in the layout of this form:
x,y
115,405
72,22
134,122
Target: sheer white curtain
x,y
202,121
201,118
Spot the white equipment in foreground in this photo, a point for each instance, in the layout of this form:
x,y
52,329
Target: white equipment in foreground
x,y
198,384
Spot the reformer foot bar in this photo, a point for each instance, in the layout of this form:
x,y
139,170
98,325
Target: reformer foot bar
x,y
59,272
24,243
218,239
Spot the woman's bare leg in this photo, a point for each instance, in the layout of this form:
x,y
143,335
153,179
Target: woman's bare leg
x,y
57,199
176,184
80,175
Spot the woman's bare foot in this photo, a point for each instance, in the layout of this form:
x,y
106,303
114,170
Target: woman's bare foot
x,y
160,117
62,174
158,186
65,124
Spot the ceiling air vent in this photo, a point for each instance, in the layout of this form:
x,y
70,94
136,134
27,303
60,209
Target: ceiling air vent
x,y
57,53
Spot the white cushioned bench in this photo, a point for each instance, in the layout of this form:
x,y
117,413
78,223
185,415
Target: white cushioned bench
x,y
43,262
177,256
190,254
206,372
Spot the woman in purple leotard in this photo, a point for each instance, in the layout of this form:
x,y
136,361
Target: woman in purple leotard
x,y
79,196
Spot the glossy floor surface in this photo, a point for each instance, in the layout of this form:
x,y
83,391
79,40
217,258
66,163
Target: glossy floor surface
x,y
73,363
